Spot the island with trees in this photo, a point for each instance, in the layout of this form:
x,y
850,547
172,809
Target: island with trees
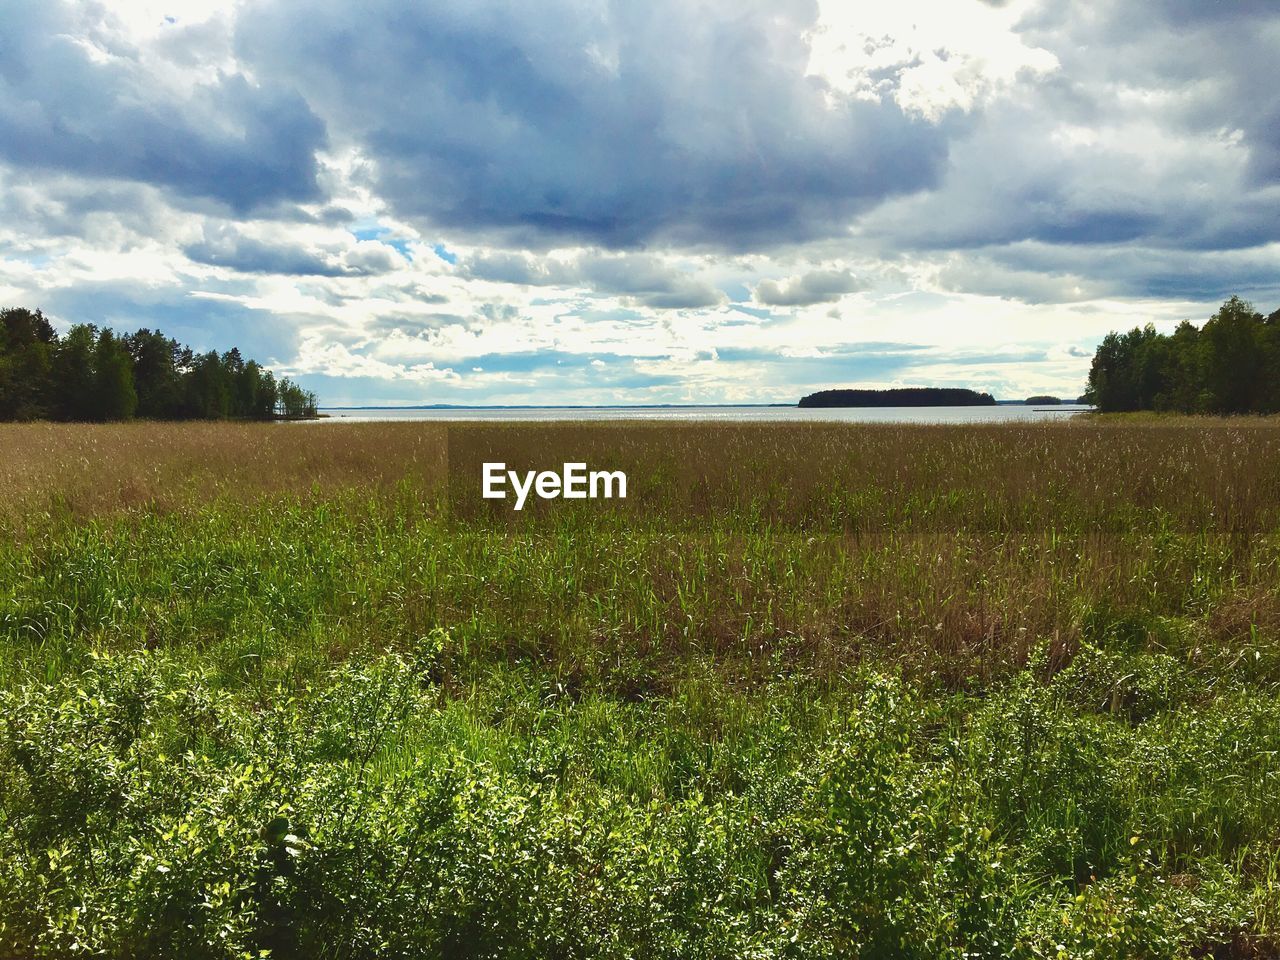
x,y
92,373
899,397
1230,365
1043,400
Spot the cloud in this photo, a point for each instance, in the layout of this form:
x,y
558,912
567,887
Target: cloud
x,y
646,281
414,325
639,279
53,210
1053,274
616,125
512,267
77,95
1155,131
227,247
246,255
818,286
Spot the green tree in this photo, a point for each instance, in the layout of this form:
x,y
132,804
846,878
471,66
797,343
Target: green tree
x,y
155,373
255,392
1184,377
73,375
27,343
1233,357
114,395
208,388
1127,373
294,401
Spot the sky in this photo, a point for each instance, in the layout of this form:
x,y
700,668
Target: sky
x,y
676,201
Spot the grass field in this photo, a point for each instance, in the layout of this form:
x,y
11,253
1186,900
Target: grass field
x,y
809,691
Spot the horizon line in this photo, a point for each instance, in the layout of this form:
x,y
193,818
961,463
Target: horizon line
x,y
598,406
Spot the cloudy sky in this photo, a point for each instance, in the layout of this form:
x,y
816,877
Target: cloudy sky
x,y
607,201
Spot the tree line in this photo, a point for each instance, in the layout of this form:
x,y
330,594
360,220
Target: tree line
x,y
1230,365
92,373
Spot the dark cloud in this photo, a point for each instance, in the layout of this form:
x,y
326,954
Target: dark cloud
x,y
505,267
76,98
693,297
818,286
1038,272
336,216
227,247
615,125
253,256
415,325
1006,277
369,259
646,281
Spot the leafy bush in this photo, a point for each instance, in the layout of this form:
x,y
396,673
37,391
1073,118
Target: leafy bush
x,y
148,813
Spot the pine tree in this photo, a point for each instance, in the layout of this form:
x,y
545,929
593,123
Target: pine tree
x,y
114,395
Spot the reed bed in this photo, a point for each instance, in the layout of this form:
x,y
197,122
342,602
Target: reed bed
x,y
808,691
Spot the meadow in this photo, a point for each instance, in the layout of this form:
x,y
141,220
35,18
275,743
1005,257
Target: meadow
x,y
809,691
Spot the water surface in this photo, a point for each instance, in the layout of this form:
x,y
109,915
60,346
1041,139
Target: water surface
x,y
1001,413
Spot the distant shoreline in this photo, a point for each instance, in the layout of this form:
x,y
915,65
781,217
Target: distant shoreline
x,y
623,406
779,413
557,406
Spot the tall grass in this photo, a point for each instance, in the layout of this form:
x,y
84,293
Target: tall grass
x,y
809,691
76,471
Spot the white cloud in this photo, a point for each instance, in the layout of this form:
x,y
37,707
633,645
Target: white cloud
x,y
929,56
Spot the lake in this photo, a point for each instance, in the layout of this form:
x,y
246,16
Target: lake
x,y
1001,413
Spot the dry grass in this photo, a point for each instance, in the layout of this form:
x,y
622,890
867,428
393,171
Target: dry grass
x,y
1197,474
89,470
955,551
1217,474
